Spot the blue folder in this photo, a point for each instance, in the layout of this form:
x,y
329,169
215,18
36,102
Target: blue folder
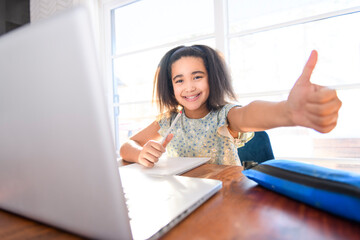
x,y
331,190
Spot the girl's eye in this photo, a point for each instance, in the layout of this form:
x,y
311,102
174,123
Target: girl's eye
x,y
178,81
198,77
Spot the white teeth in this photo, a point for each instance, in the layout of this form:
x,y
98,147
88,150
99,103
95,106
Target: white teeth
x,y
192,97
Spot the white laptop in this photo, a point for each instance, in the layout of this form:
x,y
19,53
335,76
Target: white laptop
x,y
57,155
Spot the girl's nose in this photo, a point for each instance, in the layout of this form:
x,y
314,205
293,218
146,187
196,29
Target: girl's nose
x,y
190,87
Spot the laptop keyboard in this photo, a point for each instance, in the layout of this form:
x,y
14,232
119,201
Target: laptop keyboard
x,y
145,194
157,203
142,199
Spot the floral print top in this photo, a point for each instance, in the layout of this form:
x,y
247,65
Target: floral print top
x,y
204,137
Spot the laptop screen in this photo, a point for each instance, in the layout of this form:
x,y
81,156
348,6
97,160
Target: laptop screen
x,y
55,131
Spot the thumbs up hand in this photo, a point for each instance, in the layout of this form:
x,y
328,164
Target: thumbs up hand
x,y
311,105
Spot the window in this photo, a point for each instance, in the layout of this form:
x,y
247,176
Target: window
x,y
266,44
276,37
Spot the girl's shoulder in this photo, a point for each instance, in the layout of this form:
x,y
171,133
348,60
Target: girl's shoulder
x,y
219,116
224,110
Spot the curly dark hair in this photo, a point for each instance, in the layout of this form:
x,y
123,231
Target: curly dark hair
x,y
218,77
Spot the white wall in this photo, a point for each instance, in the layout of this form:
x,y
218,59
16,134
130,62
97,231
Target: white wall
x,y
41,9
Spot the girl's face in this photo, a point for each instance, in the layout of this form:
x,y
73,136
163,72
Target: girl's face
x,y
191,85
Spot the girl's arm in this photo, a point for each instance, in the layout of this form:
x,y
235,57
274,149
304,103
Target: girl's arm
x,y
258,116
308,105
145,146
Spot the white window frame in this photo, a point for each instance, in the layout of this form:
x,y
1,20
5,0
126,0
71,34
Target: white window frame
x,y
106,40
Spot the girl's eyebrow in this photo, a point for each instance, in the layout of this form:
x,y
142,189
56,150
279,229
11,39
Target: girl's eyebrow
x,y
177,76
196,72
193,73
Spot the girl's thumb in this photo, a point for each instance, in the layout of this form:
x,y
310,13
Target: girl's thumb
x,y
308,68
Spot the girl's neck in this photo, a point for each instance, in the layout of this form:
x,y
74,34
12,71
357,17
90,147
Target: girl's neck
x,y
196,114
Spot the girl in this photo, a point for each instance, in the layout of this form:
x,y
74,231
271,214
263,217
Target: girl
x,y
196,79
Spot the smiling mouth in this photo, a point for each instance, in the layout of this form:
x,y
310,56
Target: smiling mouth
x,y
192,98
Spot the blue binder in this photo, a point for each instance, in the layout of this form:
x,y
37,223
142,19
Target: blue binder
x,y
334,191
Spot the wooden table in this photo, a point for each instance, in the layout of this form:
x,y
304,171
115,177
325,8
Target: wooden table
x,y
240,210
244,210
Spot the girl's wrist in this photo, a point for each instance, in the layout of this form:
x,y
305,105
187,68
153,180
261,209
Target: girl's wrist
x,y
287,114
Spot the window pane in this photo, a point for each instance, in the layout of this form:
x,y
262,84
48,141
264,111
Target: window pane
x,y
134,75
149,23
281,54
251,14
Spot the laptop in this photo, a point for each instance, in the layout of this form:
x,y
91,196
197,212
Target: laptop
x,y
57,155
